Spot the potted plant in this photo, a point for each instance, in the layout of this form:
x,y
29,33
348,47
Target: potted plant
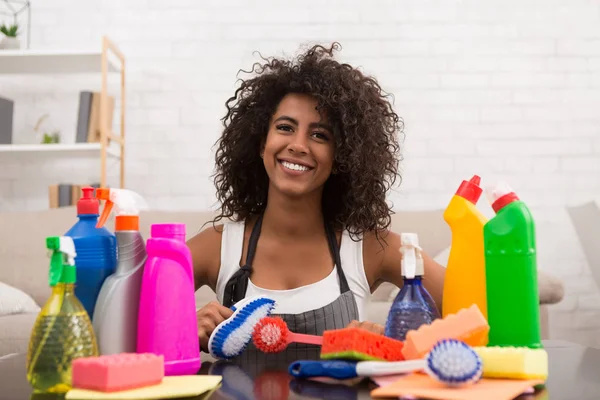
x,y
53,137
10,41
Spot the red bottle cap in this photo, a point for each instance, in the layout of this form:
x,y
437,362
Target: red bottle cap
x,y
87,204
470,190
504,200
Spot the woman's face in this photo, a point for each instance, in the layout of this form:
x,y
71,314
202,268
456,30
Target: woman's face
x,y
299,149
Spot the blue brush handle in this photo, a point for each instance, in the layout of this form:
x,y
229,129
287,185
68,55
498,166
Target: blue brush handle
x,y
329,369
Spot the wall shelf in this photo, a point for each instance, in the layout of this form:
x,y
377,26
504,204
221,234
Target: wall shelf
x,y
53,62
74,149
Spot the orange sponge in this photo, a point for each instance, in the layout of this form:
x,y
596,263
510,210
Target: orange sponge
x,y
360,344
468,325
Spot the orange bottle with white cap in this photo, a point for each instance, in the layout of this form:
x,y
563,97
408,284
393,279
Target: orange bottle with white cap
x,y
116,313
464,284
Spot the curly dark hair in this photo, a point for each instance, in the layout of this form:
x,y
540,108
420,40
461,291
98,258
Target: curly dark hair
x,y
365,129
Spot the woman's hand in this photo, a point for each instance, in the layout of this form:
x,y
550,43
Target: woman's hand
x,y
208,318
368,326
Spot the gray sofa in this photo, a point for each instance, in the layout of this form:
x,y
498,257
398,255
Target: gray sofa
x,y
24,264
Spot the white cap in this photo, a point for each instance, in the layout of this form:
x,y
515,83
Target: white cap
x,y
412,264
494,193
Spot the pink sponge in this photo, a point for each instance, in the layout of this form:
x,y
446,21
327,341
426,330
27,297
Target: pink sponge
x,y
116,372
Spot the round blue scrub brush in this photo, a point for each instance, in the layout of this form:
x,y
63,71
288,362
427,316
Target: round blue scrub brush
x,y
230,337
451,362
454,363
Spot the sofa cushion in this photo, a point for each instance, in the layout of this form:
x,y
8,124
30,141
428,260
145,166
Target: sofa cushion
x,y
15,301
551,289
25,261
434,233
204,295
15,331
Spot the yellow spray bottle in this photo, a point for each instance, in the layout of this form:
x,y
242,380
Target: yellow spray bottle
x,y
63,330
464,284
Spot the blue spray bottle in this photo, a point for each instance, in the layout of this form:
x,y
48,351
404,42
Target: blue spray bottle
x,y
96,250
413,306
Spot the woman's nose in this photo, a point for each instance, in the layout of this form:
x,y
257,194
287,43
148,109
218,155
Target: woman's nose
x,y
298,145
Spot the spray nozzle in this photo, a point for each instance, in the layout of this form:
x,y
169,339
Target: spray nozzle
x,y
412,264
62,262
126,202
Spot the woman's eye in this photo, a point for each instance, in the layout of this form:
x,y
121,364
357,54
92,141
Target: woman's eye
x,y
284,127
321,135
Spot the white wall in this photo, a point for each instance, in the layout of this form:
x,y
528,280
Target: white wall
x,y
505,89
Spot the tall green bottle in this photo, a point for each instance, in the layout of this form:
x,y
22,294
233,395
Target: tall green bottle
x,y
511,272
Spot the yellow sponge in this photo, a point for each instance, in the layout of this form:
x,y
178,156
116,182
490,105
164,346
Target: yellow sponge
x,y
513,362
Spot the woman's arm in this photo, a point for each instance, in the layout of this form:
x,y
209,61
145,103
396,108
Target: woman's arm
x,y
382,261
206,255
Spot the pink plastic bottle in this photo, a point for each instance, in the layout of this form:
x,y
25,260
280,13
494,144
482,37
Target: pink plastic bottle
x,y
167,315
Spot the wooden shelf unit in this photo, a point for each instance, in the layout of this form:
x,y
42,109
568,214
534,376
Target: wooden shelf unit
x,y
109,59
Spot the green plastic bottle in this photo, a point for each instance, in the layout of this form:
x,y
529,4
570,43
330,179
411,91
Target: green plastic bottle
x,y
63,330
511,272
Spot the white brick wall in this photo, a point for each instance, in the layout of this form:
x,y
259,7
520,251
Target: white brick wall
x,y
504,89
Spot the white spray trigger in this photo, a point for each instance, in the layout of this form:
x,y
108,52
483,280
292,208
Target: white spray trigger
x,y
409,247
127,202
67,247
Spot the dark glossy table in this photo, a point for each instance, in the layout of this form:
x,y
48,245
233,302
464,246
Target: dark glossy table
x,y
574,374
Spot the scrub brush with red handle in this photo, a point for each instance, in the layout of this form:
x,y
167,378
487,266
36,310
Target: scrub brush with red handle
x,y
272,335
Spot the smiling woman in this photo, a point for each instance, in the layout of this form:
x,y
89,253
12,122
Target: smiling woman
x,y
307,155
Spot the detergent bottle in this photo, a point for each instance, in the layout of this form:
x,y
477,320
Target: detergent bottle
x,y
413,306
116,313
464,283
167,322
511,272
96,251
63,330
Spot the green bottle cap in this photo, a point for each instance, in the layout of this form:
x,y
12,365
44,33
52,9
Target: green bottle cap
x,y
62,261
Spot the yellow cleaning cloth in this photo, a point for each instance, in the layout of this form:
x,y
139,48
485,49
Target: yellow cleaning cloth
x,y
170,387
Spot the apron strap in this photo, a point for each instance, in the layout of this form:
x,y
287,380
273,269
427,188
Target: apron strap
x,y
236,287
335,252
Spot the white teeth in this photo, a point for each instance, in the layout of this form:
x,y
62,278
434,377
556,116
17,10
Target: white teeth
x,y
295,167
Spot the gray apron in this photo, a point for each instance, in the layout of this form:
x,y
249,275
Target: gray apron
x,y
335,315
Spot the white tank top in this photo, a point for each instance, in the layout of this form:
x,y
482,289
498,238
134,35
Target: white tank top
x,y
304,298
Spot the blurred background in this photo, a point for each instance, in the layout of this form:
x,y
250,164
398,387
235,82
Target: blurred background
x,y
504,89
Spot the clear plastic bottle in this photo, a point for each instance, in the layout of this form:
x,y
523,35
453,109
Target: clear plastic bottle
x,y
413,306
63,330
